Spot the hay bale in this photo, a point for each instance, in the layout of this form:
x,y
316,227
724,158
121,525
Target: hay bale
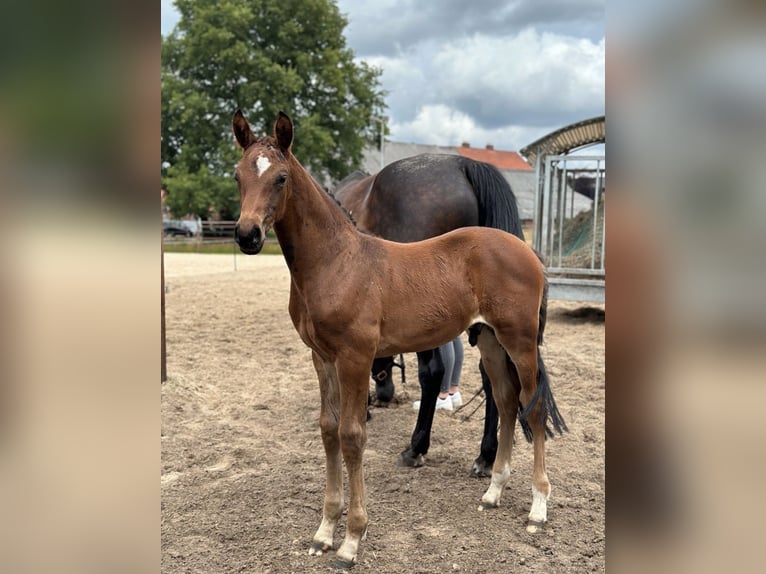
x,y
577,240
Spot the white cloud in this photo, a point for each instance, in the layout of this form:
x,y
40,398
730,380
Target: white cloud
x,y
501,79
441,125
385,26
505,90
435,124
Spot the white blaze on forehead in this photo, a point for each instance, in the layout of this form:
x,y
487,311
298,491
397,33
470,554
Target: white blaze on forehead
x,y
262,164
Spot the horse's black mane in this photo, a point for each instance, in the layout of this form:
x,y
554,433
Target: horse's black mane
x,y
348,213
339,204
335,199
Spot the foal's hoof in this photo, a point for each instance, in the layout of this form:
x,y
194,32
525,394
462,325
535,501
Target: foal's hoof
x,y
481,468
487,506
342,563
535,526
318,548
409,458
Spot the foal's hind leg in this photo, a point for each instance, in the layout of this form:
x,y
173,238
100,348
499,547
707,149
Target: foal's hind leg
x,y
523,352
505,392
329,422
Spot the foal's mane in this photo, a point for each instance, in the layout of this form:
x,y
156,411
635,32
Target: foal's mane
x,y
339,204
330,194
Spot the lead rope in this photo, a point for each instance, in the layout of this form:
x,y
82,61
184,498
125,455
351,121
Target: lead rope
x,y
400,364
464,405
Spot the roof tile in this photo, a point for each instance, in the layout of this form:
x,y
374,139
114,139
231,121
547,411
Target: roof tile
x,y
500,159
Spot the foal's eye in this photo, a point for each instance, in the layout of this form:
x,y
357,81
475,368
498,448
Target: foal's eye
x,y
236,177
281,178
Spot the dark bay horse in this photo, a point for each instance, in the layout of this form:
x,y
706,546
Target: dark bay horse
x,y
355,297
414,199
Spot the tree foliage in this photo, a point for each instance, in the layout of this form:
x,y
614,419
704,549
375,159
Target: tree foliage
x,y
260,56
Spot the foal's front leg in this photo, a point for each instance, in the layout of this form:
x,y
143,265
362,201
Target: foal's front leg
x,y
329,418
353,384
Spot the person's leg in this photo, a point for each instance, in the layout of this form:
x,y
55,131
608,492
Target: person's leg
x,y
448,356
457,368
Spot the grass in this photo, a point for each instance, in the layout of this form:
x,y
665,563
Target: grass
x,y
216,248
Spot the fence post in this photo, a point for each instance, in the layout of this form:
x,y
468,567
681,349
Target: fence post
x,y
163,354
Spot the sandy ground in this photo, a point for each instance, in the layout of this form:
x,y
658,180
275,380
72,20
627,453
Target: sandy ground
x,y
243,465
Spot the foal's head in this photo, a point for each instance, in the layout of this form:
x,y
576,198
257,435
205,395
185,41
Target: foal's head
x,y
263,178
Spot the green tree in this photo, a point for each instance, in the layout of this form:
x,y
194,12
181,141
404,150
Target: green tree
x,y
260,56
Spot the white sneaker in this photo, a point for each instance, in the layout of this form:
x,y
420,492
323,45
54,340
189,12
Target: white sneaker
x,y
457,400
444,404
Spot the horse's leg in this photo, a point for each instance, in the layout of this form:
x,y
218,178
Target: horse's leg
x,y
430,373
482,466
329,424
541,486
505,392
524,354
384,380
353,377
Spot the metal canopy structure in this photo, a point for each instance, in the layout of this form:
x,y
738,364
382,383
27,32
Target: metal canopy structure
x,y
569,223
566,139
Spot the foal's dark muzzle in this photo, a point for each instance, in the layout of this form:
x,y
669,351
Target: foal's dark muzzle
x,y
251,242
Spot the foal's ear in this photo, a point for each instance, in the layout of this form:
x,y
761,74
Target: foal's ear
x,y
242,132
283,131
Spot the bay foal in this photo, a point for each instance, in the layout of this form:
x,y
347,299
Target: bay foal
x,y
354,297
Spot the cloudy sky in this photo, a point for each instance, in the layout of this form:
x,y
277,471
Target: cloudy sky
x,y
481,71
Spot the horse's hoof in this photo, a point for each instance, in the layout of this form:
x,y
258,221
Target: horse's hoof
x,y
342,563
318,548
480,468
535,526
383,400
384,392
408,458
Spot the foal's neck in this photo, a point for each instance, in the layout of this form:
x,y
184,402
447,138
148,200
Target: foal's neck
x,y
314,229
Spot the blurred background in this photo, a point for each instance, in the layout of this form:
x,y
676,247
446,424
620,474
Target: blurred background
x,y
80,261
79,282
686,105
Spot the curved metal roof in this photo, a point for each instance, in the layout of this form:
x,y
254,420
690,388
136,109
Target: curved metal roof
x,y
566,139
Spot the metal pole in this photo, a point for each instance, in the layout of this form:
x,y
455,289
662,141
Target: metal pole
x,y
382,153
163,351
537,232
383,121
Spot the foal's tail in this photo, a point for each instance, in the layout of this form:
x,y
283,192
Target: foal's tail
x,y
496,201
549,411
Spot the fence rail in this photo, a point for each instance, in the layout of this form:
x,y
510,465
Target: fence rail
x,y
206,233
570,224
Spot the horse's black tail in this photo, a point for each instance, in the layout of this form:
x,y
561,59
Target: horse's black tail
x,y
549,411
497,203
498,208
